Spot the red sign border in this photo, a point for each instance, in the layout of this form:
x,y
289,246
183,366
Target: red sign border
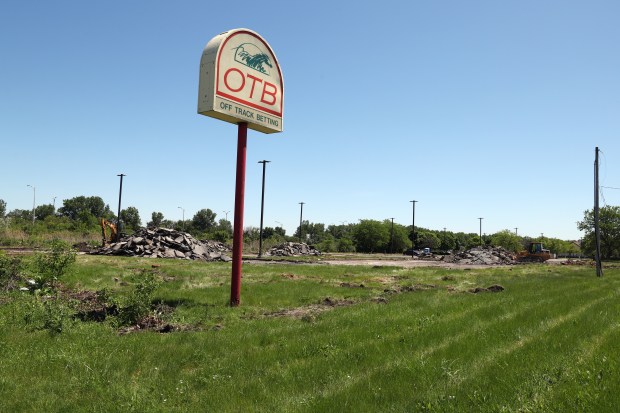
x,y
236,99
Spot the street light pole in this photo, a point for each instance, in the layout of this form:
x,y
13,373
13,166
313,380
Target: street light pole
x,y
413,229
183,218
480,230
118,219
301,215
226,213
34,195
392,237
262,208
444,238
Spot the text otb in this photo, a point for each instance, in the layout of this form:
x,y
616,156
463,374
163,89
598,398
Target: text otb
x,y
241,81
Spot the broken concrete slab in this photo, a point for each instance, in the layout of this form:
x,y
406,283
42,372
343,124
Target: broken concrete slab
x,y
167,243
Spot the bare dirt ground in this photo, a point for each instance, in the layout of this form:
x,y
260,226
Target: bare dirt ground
x,y
409,263
405,263
390,261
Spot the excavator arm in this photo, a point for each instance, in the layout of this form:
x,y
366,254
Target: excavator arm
x,y
105,224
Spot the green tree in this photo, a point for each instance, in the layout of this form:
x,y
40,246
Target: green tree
x,y
131,219
225,225
20,214
371,236
268,232
222,232
43,211
2,208
204,220
463,241
427,239
401,241
313,233
609,223
316,233
447,240
81,208
156,220
328,244
507,239
251,234
345,245
167,223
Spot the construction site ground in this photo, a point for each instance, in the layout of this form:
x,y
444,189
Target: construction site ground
x,y
385,260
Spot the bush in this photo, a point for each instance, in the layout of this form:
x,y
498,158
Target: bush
x,y
10,268
48,267
55,315
43,313
138,304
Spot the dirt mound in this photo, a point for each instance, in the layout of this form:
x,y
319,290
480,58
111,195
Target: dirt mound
x,y
483,256
166,243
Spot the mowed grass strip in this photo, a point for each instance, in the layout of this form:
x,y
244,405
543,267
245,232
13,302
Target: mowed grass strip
x,y
445,348
546,343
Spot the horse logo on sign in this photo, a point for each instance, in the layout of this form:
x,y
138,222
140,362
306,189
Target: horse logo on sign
x,y
251,56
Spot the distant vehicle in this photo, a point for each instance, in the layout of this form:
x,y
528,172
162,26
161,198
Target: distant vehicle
x,y
534,253
411,252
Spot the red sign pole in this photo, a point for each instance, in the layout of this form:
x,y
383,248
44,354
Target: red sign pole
x,y
235,284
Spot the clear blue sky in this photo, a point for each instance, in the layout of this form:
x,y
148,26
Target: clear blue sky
x,y
475,109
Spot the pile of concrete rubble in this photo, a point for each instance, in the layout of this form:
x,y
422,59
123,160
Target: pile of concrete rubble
x,y
166,243
483,256
289,249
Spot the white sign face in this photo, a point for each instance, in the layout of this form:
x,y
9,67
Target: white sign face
x,y
241,81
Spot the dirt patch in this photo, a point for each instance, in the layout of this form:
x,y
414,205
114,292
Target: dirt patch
x,y
89,305
409,288
349,285
402,263
96,306
577,262
310,311
491,289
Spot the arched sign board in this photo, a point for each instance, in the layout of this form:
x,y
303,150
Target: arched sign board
x,y
240,81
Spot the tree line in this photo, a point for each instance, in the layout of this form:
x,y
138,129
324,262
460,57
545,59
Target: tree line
x,y
83,214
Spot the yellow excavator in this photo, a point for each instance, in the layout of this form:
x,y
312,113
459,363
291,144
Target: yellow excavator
x,y
105,225
534,253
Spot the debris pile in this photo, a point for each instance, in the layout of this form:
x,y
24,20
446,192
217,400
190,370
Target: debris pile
x,y
289,249
483,256
166,243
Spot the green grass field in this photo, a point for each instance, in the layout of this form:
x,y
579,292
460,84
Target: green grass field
x,y
318,338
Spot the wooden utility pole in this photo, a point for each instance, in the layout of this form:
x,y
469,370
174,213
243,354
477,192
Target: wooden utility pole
x,y
597,231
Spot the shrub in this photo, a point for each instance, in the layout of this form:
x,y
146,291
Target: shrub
x,y
55,315
49,266
138,304
10,268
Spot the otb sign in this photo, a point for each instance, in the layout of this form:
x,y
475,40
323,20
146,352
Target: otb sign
x,y
241,81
